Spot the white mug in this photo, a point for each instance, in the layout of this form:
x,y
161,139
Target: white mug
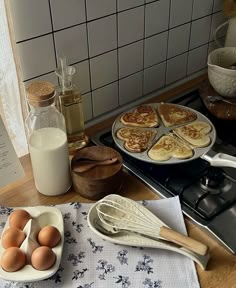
x,y
230,39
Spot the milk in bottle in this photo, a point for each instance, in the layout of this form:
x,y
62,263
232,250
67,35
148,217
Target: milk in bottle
x,y
47,140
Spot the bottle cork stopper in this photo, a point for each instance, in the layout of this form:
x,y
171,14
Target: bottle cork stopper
x,y
40,93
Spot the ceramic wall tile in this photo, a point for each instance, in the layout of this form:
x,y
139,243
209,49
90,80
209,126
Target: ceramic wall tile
x,y
156,17
130,88
130,59
82,78
141,45
197,59
202,8
124,4
155,49
154,78
87,106
130,26
67,13
102,35
178,40
218,5
30,18
176,68
97,9
37,56
104,69
72,43
180,12
200,32
105,99
217,19
212,46
51,77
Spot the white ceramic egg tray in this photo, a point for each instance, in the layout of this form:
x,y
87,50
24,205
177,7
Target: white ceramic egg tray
x,y
41,216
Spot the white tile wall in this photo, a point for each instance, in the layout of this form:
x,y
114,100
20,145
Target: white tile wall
x,y
130,26
155,50
122,50
51,77
124,4
81,77
130,59
28,20
212,46
180,12
37,56
197,59
72,43
105,99
156,17
130,88
178,40
87,106
202,8
154,78
104,69
102,35
218,5
67,13
200,32
97,9
176,68
217,19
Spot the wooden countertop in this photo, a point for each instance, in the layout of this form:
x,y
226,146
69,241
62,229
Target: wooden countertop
x,y
221,269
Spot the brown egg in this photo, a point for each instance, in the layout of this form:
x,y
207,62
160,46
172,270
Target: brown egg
x,y
49,236
19,218
13,259
12,237
43,258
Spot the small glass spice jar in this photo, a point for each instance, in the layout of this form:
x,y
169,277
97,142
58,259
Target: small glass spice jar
x,y
47,140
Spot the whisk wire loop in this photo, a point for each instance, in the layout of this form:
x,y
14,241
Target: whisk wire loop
x,y
113,214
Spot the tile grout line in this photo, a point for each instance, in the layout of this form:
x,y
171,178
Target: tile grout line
x,y
144,46
89,62
117,39
53,36
189,38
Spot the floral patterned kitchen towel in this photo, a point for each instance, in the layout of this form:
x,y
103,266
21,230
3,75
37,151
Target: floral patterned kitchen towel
x,y
91,262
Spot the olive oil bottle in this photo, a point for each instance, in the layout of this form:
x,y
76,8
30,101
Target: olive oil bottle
x,y
69,103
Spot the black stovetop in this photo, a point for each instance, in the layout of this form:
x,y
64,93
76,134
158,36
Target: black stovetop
x,y
207,194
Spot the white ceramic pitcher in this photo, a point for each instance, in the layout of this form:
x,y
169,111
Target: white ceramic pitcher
x,y
230,39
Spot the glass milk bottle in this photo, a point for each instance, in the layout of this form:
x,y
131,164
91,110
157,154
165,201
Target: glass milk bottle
x,y
69,103
47,140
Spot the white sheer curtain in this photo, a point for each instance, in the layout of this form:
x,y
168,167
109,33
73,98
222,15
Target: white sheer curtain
x,y
10,100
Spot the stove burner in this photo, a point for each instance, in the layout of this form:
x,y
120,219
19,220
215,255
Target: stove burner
x,y
211,194
215,181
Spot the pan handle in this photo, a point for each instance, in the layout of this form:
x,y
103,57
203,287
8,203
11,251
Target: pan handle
x,y
220,160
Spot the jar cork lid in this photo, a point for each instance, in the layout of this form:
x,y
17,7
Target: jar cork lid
x,y
40,93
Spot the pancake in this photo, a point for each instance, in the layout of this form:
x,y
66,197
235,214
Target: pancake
x,y
195,133
142,116
167,147
172,114
136,140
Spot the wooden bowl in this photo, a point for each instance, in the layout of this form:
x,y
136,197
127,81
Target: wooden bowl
x,y
98,181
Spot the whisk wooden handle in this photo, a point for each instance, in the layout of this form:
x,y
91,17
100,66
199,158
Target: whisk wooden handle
x,y
182,240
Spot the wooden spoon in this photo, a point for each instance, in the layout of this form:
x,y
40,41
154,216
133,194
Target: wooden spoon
x,y
87,165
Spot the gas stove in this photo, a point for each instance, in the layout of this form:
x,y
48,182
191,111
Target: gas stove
x,y
207,194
